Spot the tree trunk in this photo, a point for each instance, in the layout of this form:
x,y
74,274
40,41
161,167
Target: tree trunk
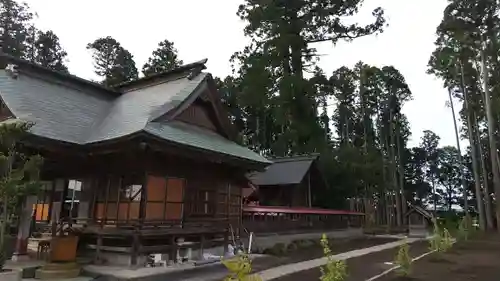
x,y
462,167
385,195
392,155
477,178
486,189
473,146
401,176
491,137
5,217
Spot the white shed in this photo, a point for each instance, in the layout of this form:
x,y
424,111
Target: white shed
x,y
419,222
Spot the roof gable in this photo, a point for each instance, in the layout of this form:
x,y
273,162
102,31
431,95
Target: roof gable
x,y
132,111
200,115
75,111
284,171
426,214
206,94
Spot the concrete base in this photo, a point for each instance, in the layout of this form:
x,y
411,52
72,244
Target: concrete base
x,y
54,271
261,242
11,275
27,267
419,233
113,255
20,257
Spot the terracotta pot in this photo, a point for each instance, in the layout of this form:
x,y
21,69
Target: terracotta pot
x,y
63,248
11,275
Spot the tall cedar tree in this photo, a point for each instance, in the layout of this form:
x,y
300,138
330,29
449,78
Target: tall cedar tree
x,y
465,26
14,23
47,51
112,62
164,58
429,143
281,33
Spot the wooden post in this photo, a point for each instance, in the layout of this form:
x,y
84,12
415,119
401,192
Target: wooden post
x,y
165,200
135,247
106,201
173,250
143,202
21,247
92,207
51,214
226,241
309,194
98,246
202,245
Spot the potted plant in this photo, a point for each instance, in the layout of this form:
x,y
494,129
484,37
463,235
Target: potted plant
x,y
63,247
19,177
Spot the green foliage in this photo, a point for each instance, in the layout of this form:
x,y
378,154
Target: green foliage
x,y
112,62
404,260
240,268
15,19
463,229
442,240
19,174
466,27
46,50
447,241
164,58
435,242
334,270
450,177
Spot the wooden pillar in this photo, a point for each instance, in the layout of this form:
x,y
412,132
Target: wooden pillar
x,y
309,194
93,198
98,247
226,241
135,247
51,202
104,218
173,250
57,205
85,201
21,247
118,195
136,243
143,202
202,245
63,198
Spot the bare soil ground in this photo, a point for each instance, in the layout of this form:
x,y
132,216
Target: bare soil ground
x,y
477,259
364,267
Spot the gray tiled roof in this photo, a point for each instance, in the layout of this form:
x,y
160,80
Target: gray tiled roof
x,y
132,111
289,170
197,137
64,111
59,112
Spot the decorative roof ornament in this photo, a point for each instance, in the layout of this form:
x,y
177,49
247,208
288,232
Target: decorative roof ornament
x,y
11,70
195,72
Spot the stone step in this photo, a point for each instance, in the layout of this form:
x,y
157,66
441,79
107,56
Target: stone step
x,y
61,266
43,274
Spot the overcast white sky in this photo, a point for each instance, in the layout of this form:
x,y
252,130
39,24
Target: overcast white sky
x,y
211,29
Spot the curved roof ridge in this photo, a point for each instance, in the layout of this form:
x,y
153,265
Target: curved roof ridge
x,y
197,64
298,157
